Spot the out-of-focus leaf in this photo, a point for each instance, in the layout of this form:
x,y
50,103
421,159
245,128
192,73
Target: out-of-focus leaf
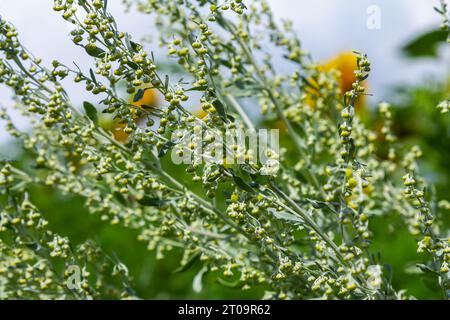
x,y
150,202
235,284
268,295
425,45
426,269
197,282
188,264
119,197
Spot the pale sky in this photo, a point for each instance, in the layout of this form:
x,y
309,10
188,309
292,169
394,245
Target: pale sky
x,y
326,27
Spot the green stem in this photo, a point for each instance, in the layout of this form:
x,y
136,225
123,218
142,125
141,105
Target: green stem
x,y
241,112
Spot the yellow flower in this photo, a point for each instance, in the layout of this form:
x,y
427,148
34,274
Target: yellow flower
x,y
150,98
200,113
345,63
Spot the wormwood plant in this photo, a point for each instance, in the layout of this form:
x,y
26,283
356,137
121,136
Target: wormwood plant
x,y
302,230
444,105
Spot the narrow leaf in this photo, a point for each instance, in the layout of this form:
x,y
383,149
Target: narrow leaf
x,y
242,184
425,45
189,263
95,52
91,112
220,109
165,148
150,202
197,282
138,96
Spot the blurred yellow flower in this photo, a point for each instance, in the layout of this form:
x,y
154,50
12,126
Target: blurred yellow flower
x,y
150,98
345,63
200,113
